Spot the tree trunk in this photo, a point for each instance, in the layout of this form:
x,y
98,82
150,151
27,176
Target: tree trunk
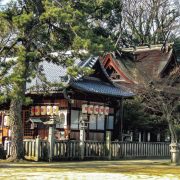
x,y
172,130
17,151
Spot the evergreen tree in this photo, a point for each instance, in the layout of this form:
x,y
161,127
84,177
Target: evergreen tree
x,y
32,29
139,118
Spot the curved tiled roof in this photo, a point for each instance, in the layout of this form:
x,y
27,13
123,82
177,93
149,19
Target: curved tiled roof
x,y
137,66
90,62
54,74
100,87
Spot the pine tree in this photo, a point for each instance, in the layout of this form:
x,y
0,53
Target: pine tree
x,y
32,29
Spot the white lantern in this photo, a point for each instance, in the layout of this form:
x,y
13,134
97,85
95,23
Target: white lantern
x,y
90,109
9,133
43,110
96,109
84,108
101,109
37,110
49,110
106,110
32,111
6,121
55,110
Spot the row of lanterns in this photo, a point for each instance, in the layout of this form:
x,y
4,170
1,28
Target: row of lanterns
x,y
44,110
95,109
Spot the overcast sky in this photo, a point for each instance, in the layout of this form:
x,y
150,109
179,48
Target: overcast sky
x,y
2,2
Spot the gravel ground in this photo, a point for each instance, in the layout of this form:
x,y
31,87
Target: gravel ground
x,y
81,176
90,170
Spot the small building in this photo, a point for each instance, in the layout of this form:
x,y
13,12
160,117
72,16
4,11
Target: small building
x,y
94,97
136,66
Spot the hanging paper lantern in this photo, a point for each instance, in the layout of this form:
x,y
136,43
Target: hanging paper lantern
x,y
96,109
55,110
37,110
106,110
84,108
43,110
101,109
49,110
9,133
6,121
90,109
32,111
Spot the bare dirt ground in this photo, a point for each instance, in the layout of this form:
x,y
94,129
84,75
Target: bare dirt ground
x,y
90,170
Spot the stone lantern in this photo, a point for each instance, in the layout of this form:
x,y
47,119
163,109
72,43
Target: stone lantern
x,y
174,149
51,123
83,126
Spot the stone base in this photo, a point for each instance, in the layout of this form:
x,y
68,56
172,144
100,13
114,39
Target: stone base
x,y
175,154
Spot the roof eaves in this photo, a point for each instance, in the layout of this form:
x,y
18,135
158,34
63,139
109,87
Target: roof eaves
x,y
88,63
169,58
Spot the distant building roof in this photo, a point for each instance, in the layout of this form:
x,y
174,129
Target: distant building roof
x,y
136,65
98,85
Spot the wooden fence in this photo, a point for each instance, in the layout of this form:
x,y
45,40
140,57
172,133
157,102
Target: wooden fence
x,y
37,149
66,150
123,150
94,149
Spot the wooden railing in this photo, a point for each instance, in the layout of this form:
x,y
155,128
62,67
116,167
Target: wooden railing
x,y
34,149
43,150
139,149
66,150
37,149
95,149
30,149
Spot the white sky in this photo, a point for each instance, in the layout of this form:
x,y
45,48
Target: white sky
x,y
3,2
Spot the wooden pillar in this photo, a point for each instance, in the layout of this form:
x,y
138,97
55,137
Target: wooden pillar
x,y
67,130
105,126
118,124
140,137
131,136
82,142
121,118
1,128
148,136
37,148
87,129
51,142
108,144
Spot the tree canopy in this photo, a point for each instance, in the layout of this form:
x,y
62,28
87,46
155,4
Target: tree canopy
x,y
33,30
149,21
